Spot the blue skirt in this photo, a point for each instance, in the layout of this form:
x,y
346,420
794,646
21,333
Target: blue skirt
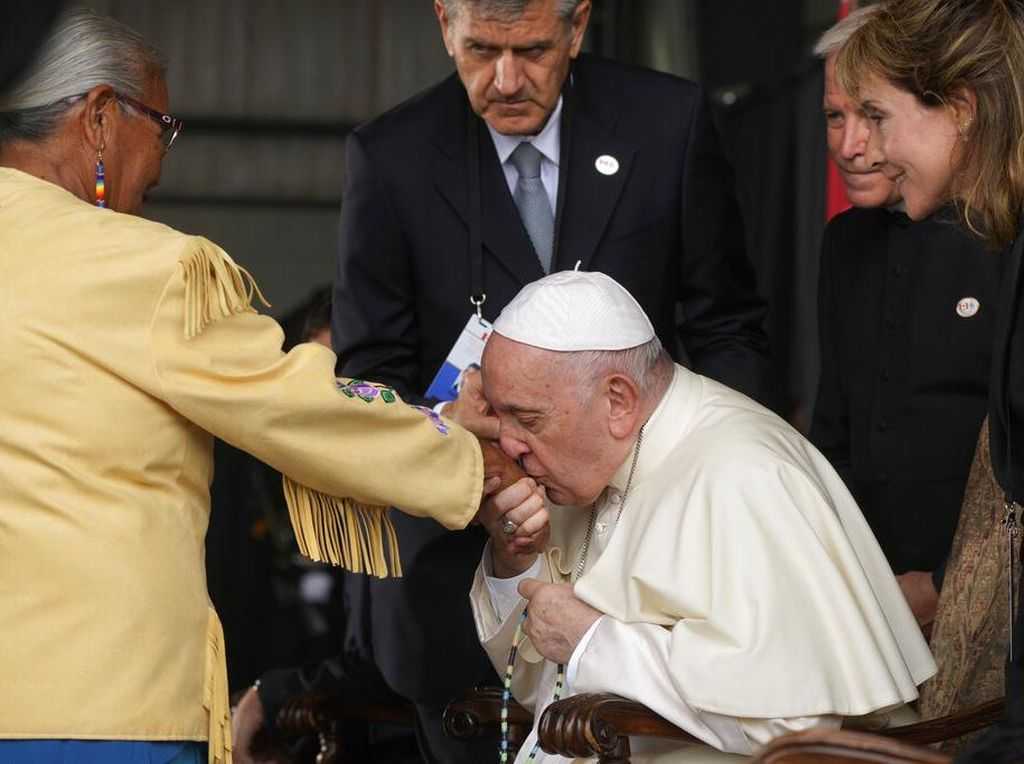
x,y
100,752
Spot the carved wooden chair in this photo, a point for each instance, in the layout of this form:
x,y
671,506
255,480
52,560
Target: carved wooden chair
x,y
479,713
333,731
600,725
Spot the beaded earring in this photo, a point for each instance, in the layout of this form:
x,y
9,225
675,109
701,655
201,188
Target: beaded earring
x,y
101,185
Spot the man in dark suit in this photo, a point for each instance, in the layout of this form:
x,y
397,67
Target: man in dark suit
x,y
639,186
907,316
625,175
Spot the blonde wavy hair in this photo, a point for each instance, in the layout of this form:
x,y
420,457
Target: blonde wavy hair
x,y
936,50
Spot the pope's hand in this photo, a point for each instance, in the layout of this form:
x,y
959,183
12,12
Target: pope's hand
x,y
556,618
471,410
516,518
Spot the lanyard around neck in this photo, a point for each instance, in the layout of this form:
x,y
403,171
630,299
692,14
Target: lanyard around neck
x,y
477,295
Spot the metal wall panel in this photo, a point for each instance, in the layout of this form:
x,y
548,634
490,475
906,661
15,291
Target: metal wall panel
x,y
300,60
268,88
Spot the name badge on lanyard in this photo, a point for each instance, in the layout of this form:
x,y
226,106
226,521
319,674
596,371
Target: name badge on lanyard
x,y
469,347
465,354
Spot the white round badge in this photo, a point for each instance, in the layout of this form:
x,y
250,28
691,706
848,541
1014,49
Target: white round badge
x,y
606,164
967,307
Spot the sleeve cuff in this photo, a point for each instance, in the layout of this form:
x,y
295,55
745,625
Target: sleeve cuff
x,y
504,592
577,653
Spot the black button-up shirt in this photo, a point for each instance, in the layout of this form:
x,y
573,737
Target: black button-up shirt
x,y
905,368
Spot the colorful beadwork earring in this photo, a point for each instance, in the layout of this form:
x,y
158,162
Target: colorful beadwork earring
x,y
101,185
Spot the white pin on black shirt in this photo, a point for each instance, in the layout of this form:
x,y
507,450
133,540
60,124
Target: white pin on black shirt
x,y
606,164
967,307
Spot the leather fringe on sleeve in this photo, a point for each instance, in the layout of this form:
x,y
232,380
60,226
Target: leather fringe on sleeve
x,y
215,288
329,529
215,693
343,532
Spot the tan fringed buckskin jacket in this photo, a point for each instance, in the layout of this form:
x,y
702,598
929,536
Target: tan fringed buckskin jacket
x,y
123,345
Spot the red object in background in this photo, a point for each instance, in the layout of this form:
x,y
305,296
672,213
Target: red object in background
x,y
836,200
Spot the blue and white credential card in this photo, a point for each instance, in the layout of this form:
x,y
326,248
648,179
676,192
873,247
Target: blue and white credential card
x,y
465,354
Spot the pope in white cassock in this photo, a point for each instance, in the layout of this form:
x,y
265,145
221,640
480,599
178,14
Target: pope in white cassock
x,y
695,553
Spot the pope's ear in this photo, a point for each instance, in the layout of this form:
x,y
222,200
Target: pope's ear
x,y
623,405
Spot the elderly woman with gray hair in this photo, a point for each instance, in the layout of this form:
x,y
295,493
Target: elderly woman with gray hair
x,y
125,346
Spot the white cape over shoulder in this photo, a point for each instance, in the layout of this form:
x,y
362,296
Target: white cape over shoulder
x,y
742,540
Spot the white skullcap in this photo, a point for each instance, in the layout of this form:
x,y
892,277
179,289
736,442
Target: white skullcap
x,y
574,310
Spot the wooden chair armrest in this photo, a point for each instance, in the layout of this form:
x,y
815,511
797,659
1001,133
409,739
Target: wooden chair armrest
x,y
821,746
310,714
329,722
948,727
479,710
600,725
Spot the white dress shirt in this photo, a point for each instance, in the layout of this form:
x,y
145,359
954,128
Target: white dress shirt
x,y
548,143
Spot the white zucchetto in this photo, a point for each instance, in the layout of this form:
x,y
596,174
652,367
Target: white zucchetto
x,y
573,310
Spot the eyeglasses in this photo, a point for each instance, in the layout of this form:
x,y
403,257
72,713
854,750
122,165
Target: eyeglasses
x,y
169,126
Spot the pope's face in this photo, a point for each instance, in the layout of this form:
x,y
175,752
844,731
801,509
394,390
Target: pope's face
x,y
513,69
560,440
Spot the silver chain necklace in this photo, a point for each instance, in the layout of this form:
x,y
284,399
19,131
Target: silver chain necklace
x,y
593,508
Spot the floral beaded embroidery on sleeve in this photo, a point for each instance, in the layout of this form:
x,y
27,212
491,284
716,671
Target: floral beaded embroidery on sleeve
x,y
366,391
434,418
